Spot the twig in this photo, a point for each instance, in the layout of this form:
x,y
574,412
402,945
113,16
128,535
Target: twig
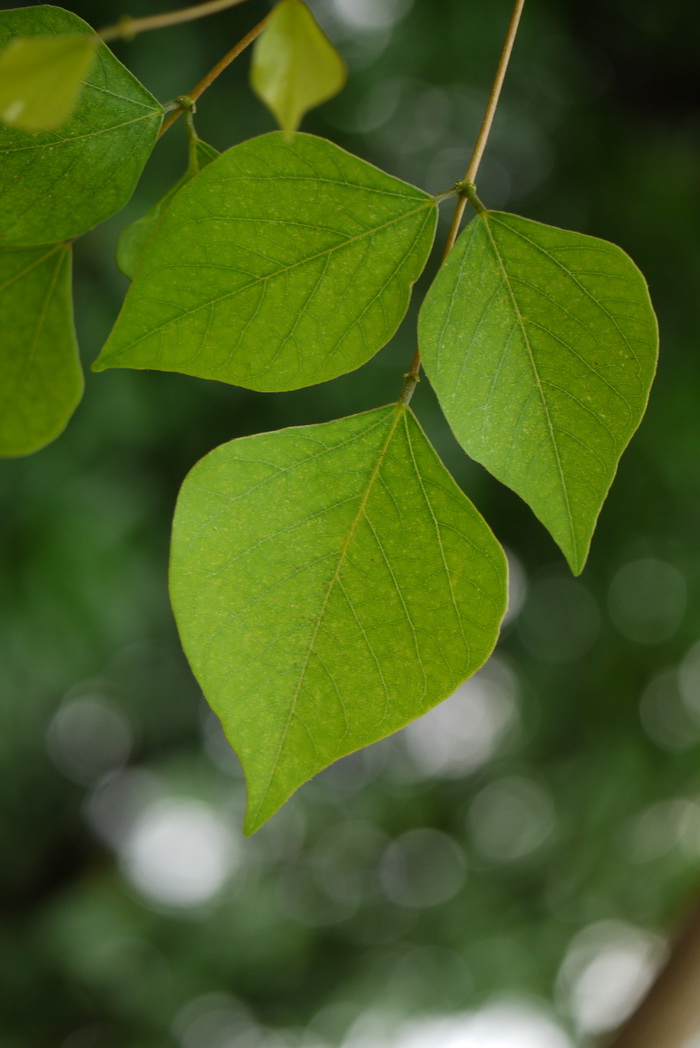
x,y
669,1014
466,188
128,27
191,97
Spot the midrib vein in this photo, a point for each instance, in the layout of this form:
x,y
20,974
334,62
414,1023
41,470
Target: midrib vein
x,y
60,142
538,382
33,265
36,333
398,412
259,280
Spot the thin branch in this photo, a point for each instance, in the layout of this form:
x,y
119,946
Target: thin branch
x,y
191,97
128,27
669,1014
466,188
486,123
492,103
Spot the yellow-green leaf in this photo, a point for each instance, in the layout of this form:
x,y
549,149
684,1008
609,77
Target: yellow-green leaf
x,y
280,265
56,184
134,238
541,346
41,78
41,381
331,583
295,66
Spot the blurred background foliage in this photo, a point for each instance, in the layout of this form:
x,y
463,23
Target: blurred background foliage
x,y
504,871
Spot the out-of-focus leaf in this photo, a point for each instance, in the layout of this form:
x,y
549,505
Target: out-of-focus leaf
x,y
41,381
56,184
41,78
294,66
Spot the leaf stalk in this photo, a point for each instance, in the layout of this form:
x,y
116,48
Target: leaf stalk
x,y
191,97
466,188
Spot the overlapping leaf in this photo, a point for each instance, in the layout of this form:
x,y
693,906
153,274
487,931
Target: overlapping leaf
x,y
55,185
41,78
294,65
541,345
331,583
280,265
134,237
40,377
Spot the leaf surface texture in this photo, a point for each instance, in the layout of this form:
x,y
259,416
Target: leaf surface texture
x,y
331,583
57,184
541,345
41,381
280,265
134,237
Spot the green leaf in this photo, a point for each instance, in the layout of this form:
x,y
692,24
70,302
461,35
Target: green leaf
x,y
280,265
331,583
57,184
541,345
41,78
134,237
40,377
294,65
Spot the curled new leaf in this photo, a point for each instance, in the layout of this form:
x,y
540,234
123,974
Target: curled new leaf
x,y
541,346
331,583
294,66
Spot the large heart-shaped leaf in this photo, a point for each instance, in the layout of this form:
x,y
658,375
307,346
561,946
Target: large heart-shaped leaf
x,y
331,583
280,265
40,377
55,185
541,345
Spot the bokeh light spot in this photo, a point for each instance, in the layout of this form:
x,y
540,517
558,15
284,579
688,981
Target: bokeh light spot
x,y
608,967
88,738
179,852
462,733
422,868
560,619
510,818
647,600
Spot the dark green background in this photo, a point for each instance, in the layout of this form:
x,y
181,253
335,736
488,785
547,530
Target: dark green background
x,y
598,131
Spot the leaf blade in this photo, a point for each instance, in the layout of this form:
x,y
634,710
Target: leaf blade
x,y
315,613
41,78
541,345
294,264
135,236
57,184
294,65
41,381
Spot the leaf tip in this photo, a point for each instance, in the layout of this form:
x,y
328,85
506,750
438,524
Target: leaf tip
x,y
576,558
99,364
577,565
256,815
250,826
